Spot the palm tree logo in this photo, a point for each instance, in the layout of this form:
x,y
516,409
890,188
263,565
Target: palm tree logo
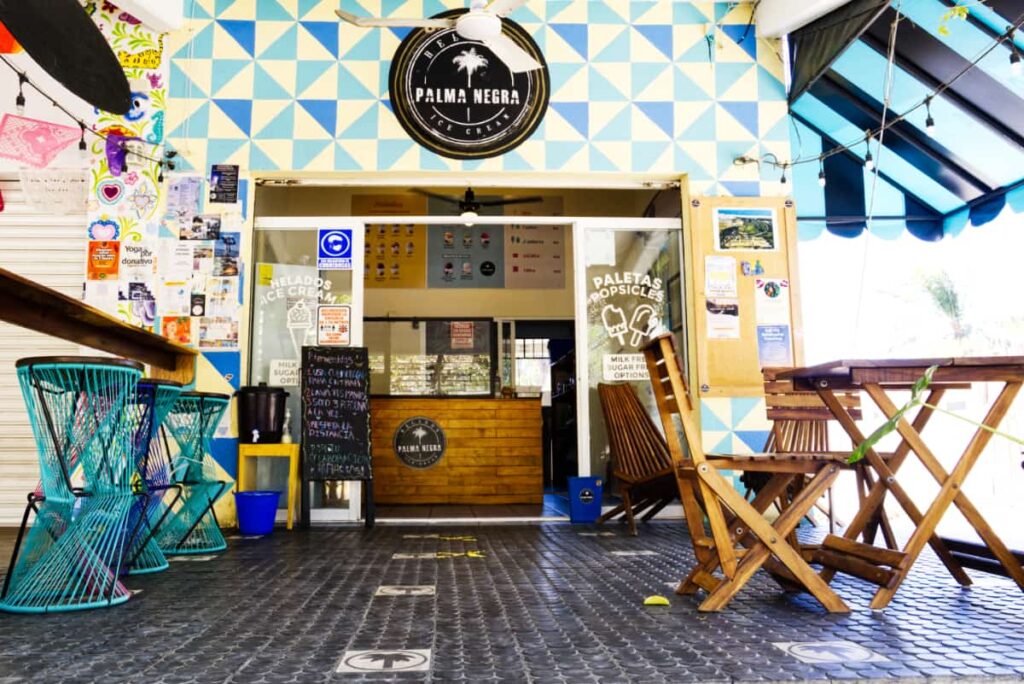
x,y
419,433
386,660
469,61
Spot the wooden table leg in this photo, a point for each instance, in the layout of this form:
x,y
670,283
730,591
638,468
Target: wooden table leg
x,y
887,482
293,485
950,490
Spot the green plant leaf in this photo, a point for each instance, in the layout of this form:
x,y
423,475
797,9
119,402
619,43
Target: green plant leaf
x,y
889,426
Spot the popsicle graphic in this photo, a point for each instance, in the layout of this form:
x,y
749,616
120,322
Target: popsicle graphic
x,y
300,320
643,323
614,322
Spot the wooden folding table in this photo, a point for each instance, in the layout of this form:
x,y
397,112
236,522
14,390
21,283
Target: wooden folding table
x,y
878,378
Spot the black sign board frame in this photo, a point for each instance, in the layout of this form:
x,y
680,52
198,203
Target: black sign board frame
x,y
425,85
336,440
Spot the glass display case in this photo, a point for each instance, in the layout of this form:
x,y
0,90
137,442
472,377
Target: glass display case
x,y
431,357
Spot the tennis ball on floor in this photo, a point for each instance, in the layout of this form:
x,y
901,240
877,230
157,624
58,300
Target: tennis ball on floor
x,y
656,601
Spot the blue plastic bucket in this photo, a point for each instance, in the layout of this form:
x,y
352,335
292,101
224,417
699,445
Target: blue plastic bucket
x,y
256,511
584,499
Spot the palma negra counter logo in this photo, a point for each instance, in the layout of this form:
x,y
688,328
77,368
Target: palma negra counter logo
x,y
419,442
457,98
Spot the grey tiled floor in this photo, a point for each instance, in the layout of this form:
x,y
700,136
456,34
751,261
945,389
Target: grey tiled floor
x,y
542,604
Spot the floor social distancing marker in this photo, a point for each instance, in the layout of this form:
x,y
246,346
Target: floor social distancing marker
x,y
406,590
635,553
597,534
382,660
435,555
829,652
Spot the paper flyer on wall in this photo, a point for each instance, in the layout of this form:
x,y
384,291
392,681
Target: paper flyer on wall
x,y
202,227
203,257
745,229
334,325
723,319
102,295
720,276
138,260
774,345
218,332
184,195
103,260
226,250
174,258
221,296
173,298
177,329
771,299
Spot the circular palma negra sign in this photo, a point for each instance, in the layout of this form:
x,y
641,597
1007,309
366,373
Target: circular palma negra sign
x,y
457,98
419,442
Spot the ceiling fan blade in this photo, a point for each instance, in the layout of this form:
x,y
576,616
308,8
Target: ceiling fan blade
x,y
515,58
514,200
434,195
372,22
503,8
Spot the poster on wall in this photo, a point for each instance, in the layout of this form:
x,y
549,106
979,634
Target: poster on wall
x,y
535,257
138,260
720,276
218,332
723,318
744,230
177,329
202,227
771,300
462,333
774,345
103,260
184,200
334,325
224,183
461,256
334,249
396,254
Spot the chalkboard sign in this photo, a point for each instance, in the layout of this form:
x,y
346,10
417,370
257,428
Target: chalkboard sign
x,y
336,413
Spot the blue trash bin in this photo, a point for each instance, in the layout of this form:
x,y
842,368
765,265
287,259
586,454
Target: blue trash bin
x,y
584,499
256,511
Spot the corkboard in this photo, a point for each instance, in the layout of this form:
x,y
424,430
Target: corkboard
x,y
731,367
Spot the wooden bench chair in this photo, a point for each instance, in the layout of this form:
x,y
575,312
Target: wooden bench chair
x,y
641,463
738,540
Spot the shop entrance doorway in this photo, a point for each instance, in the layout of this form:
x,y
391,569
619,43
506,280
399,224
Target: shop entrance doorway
x,y
487,335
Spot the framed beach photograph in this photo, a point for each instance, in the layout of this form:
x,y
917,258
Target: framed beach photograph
x,y
744,230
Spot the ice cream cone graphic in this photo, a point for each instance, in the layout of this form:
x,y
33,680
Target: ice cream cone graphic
x,y
300,320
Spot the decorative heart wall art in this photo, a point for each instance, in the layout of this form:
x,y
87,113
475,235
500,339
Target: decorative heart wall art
x,y
104,229
110,192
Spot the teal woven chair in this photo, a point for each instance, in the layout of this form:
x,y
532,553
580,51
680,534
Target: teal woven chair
x,y
71,556
192,526
154,399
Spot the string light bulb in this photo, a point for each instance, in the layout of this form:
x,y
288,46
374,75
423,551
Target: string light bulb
x,y
1015,66
160,173
83,149
869,161
929,122
821,174
783,178
19,101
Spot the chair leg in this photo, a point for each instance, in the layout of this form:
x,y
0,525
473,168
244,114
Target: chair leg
x,y
627,503
772,541
605,517
657,509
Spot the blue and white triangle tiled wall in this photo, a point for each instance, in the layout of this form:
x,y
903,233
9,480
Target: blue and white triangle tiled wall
x,y
656,86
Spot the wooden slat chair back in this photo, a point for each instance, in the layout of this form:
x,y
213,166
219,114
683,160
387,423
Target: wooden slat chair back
x,y
640,457
733,521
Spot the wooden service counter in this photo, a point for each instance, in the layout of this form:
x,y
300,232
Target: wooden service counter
x,y
492,453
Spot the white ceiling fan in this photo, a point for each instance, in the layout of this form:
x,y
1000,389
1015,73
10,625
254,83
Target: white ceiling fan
x,y
481,23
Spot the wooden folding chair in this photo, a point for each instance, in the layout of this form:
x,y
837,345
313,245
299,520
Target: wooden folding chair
x,y
741,540
641,462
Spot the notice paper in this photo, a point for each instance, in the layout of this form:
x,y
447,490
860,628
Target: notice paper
x,y
720,276
774,346
723,319
174,298
334,325
771,298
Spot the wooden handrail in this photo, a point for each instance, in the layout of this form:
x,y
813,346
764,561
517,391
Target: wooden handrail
x,y
28,304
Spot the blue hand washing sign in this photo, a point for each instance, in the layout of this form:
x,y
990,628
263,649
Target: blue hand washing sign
x,y
334,249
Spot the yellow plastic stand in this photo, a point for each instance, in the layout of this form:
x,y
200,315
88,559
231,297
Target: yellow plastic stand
x,y
289,451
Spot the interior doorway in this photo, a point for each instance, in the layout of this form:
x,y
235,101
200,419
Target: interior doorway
x,y
446,318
